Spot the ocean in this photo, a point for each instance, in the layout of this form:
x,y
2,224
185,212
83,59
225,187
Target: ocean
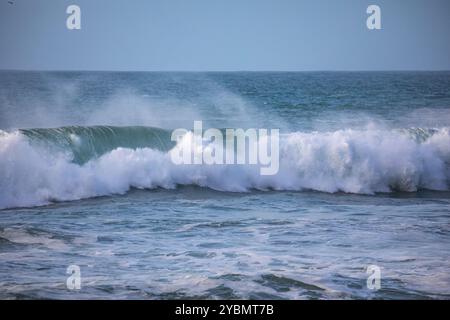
x,y
86,181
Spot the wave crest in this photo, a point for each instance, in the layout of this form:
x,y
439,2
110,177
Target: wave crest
x,y
38,167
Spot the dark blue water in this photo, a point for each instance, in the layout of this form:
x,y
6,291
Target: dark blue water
x,y
364,180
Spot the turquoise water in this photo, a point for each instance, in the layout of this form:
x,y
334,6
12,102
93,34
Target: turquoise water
x,y
85,179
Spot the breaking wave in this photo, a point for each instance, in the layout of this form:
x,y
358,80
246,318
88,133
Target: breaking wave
x,y
40,166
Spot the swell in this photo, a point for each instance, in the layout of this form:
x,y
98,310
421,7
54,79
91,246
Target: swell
x,y
39,166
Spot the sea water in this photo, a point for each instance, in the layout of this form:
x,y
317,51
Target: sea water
x,y
86,180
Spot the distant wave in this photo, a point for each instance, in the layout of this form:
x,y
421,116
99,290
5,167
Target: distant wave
x,y
39,166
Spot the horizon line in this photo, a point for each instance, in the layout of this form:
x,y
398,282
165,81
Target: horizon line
x,y
222,71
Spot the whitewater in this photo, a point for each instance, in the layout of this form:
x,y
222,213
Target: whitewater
x,y
41,166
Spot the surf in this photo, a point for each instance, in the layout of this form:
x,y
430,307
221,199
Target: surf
x,y
40,166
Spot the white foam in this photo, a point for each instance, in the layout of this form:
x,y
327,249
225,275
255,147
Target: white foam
x,y
354,161
22,236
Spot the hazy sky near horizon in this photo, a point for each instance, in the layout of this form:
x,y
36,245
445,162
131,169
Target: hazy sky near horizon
x,y
228,35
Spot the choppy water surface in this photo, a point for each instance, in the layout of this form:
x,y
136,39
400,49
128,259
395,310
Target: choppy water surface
x,y
85,180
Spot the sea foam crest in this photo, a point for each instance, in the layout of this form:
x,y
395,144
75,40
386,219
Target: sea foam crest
x,y
353,161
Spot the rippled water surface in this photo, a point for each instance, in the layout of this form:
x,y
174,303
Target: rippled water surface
x,y
199,243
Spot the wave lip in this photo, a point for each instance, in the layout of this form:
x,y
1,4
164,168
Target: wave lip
x,y
38,166
85,143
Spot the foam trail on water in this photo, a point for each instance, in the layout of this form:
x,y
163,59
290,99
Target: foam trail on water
x,y
353,161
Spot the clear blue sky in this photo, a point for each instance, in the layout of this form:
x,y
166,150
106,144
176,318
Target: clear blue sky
x,y
225,35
